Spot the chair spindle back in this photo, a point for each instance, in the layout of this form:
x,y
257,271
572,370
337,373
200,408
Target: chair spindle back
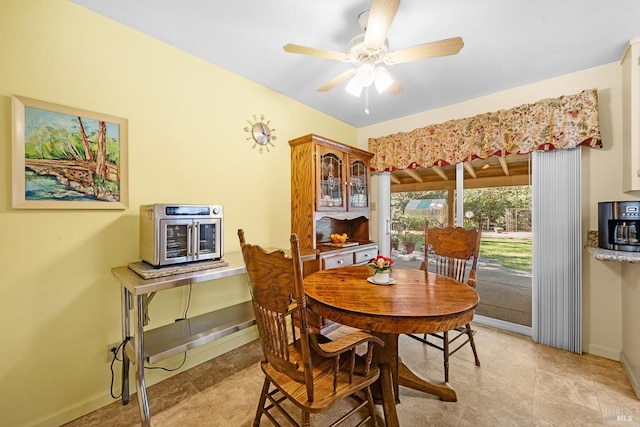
x,y
275,282
453,250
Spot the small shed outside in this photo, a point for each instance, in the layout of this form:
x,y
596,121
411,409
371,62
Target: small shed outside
x,y
435,210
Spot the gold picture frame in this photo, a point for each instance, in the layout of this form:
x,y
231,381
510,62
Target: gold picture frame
x,y
67,158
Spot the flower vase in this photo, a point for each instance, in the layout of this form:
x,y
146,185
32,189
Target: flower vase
x,y
381,277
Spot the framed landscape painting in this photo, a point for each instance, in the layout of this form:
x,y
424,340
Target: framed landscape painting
x,y
67,158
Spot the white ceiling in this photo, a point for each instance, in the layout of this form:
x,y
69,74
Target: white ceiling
x,y
507,43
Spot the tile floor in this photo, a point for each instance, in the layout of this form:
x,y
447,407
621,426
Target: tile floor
x,y
520,383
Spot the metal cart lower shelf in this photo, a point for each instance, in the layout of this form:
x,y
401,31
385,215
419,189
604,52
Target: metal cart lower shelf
x,y
183,335
157,344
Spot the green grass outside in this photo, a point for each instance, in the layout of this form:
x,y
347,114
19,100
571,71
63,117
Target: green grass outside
x,y
510,253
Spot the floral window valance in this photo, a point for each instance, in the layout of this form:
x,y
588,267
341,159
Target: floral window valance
x,y
564,122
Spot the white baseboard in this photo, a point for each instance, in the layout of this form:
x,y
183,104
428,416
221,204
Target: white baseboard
x,y
606,352
501,324
633,379
195,357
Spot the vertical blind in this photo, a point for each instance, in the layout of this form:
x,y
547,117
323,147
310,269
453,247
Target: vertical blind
x,y
557,249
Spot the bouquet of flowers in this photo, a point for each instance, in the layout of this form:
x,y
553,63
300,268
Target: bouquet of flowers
x,y
381,264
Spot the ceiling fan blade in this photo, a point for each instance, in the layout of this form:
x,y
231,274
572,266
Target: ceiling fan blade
x,y
327,54
337,80
395,87
381,15
428,50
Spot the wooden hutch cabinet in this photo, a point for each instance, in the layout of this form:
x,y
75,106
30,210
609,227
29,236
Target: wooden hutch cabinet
x,y
330,193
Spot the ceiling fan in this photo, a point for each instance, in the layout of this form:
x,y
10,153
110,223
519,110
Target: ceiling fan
x,y
370,50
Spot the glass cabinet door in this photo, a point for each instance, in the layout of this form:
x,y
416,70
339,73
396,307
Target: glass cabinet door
x,y
330,194
358,179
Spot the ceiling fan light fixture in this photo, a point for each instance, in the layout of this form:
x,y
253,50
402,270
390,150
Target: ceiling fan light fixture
x,y
365,74
354,87
382,80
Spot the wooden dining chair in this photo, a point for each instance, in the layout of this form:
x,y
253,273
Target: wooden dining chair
x,y
452,252
305,368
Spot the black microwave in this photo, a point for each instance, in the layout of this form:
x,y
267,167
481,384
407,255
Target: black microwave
x,y
177,233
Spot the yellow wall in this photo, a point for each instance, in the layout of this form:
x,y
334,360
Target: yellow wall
x,y
59,304
601,181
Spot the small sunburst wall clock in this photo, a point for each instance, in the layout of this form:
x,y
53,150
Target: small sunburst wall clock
x,y
261,134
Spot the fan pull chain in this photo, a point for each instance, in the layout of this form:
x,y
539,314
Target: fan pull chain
x,y
366,100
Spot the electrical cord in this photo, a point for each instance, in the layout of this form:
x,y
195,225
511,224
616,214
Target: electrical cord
x,y
186,309
184,317
184,359
115,357
121,348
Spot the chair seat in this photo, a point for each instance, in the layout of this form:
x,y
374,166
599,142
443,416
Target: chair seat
x,y
323,381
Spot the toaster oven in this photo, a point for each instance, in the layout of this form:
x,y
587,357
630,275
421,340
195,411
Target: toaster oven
x,y
176,233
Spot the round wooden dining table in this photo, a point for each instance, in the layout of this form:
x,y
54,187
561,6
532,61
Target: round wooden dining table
x,y
416,302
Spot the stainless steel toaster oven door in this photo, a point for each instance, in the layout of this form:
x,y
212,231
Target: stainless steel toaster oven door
x,y
187,240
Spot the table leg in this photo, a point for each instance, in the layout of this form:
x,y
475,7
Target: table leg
x,y
388,401
386,388
407,378
401,375
126,334
138,339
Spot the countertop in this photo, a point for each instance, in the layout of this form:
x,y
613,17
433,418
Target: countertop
x,y
609,255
